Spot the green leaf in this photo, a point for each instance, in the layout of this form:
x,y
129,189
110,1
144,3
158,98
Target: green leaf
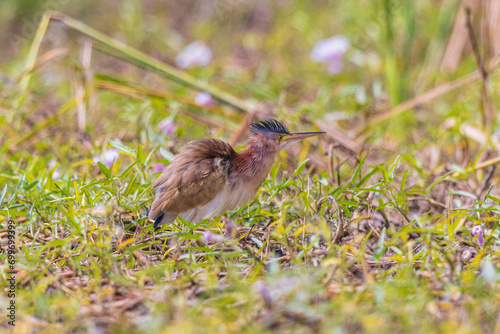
x,y
55,243
494,199
31,185
187,223
463,193
393,167
300,168
104,170
131,184
4,191
146,162
122,148
403,181
122,175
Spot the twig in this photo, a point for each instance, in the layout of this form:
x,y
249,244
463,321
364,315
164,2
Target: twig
x,y
331,157
141,258
340,225
487,179
487,110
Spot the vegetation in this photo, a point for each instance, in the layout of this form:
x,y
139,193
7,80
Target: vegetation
x,y
389,222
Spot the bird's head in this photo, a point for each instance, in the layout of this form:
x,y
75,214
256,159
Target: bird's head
x,y
274,136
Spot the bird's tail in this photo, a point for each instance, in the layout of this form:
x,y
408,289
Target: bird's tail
x,y
165,218
158,221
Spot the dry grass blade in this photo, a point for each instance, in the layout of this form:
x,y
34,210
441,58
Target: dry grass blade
x,y
122,51
492,13
458,39
427,96
136,91
478,135
487,109
354,146
46,57
35,47
487,163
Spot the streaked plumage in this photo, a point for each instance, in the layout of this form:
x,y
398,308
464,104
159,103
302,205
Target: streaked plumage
x,y
208,177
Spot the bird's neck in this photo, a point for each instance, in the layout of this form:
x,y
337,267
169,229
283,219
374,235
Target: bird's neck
x,y
253,163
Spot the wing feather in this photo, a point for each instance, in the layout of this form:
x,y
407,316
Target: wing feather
x,y
195,176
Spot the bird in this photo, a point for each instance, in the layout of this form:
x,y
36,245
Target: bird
x,y
208,177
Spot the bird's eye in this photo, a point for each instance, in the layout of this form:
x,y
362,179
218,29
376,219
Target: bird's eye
x,y
280,137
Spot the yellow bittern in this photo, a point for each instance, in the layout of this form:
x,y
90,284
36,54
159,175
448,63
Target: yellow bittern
x,y
208,177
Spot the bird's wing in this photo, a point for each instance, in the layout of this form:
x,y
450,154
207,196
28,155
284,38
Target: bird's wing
x,y
195,176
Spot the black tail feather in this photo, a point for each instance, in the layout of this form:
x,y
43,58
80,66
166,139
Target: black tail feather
x,y
157,221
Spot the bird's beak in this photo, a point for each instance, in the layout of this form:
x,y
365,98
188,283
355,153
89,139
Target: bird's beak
x,y
294,137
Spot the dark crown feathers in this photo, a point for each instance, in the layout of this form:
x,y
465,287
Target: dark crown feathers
x,y
270,125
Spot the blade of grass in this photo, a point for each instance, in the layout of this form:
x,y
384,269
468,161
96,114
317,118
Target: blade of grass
x,y
391,72
127,88
35,47
121,50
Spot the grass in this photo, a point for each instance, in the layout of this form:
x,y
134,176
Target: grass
x,y
338,241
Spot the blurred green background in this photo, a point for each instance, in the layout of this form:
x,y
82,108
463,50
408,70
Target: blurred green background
x,y
402,179
261,54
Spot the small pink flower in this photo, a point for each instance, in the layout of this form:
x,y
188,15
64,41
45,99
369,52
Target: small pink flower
x,y
203,99
331,51
466,255
230,228
196,53
108,158
158,168
167,126
335,67
263,289
57,173
209,237
478,232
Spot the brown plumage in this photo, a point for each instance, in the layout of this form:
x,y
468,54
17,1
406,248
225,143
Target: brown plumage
x,y
208,177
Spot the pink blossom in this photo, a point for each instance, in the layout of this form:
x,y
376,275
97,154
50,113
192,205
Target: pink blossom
x,y
466,255
203,99
108,158
230,228
57,173
196,53
209,237
158,168
478,232
167,126
335,67
263,289
331,51
276,290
